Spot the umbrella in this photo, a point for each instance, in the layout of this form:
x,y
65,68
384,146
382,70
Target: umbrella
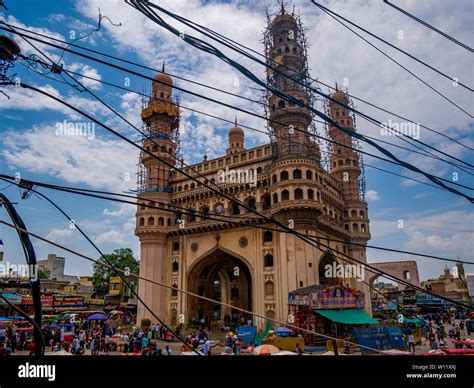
x,y
97,317
265,350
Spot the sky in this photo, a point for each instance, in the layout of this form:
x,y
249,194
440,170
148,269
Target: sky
x,y
435,221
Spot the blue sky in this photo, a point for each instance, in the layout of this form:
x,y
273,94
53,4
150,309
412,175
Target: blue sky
x,y
435,222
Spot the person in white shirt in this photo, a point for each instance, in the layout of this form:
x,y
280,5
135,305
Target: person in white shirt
x,y
411,343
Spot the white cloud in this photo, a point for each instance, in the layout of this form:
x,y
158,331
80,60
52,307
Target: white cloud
x,y
124,210
372,196
113,236
56,18
26,99
97,162
87,71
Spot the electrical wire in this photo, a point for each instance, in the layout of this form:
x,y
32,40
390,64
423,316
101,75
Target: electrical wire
x,y
425,153
230,93
26,184
399,64
270,219
429,26
184,291
104,257
392,46
204,46
243,110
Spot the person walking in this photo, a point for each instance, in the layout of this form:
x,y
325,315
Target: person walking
x,y
206,347
298,350
411,342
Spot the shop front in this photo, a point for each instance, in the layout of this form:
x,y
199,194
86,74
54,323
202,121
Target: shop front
x,y
333,311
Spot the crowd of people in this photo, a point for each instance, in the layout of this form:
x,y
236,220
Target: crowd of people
x,y
433,330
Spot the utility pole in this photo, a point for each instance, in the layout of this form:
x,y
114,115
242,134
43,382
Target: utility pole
x,y
30,256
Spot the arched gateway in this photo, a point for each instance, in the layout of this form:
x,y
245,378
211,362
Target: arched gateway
x,y
223,277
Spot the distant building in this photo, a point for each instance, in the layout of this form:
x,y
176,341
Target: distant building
x,y
55,265
470,285
451,285
120,294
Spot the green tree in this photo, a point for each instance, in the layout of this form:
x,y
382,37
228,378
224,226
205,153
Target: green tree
x,y
43,273
121,258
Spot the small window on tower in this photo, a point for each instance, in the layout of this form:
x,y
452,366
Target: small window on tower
x,y
175,266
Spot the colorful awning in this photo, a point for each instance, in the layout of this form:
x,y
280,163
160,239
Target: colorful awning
x,y
348,316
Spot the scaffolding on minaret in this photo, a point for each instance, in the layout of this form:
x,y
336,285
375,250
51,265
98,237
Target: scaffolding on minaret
x,y
304,83
361,181
143,182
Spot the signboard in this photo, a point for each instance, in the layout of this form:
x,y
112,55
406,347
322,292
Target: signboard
x,y
335,297
97,302
68,301
298,299
46,300
247,334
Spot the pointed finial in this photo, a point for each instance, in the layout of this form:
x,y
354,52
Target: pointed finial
x,y
337,87
163,67
282,7
235,121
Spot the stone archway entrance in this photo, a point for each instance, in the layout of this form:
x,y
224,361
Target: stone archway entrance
x,y
327,260
222,277
406,270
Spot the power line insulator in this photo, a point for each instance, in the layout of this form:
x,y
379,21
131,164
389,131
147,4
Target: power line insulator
x,y
57,68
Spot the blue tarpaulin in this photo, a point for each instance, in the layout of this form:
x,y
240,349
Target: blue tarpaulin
x,y
247,334
381,338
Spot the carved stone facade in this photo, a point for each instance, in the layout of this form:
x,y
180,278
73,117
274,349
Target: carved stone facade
x,y
241,265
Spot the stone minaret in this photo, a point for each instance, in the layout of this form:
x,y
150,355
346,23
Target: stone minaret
x,y
344,162
161,118
345,166
284,47
236,139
